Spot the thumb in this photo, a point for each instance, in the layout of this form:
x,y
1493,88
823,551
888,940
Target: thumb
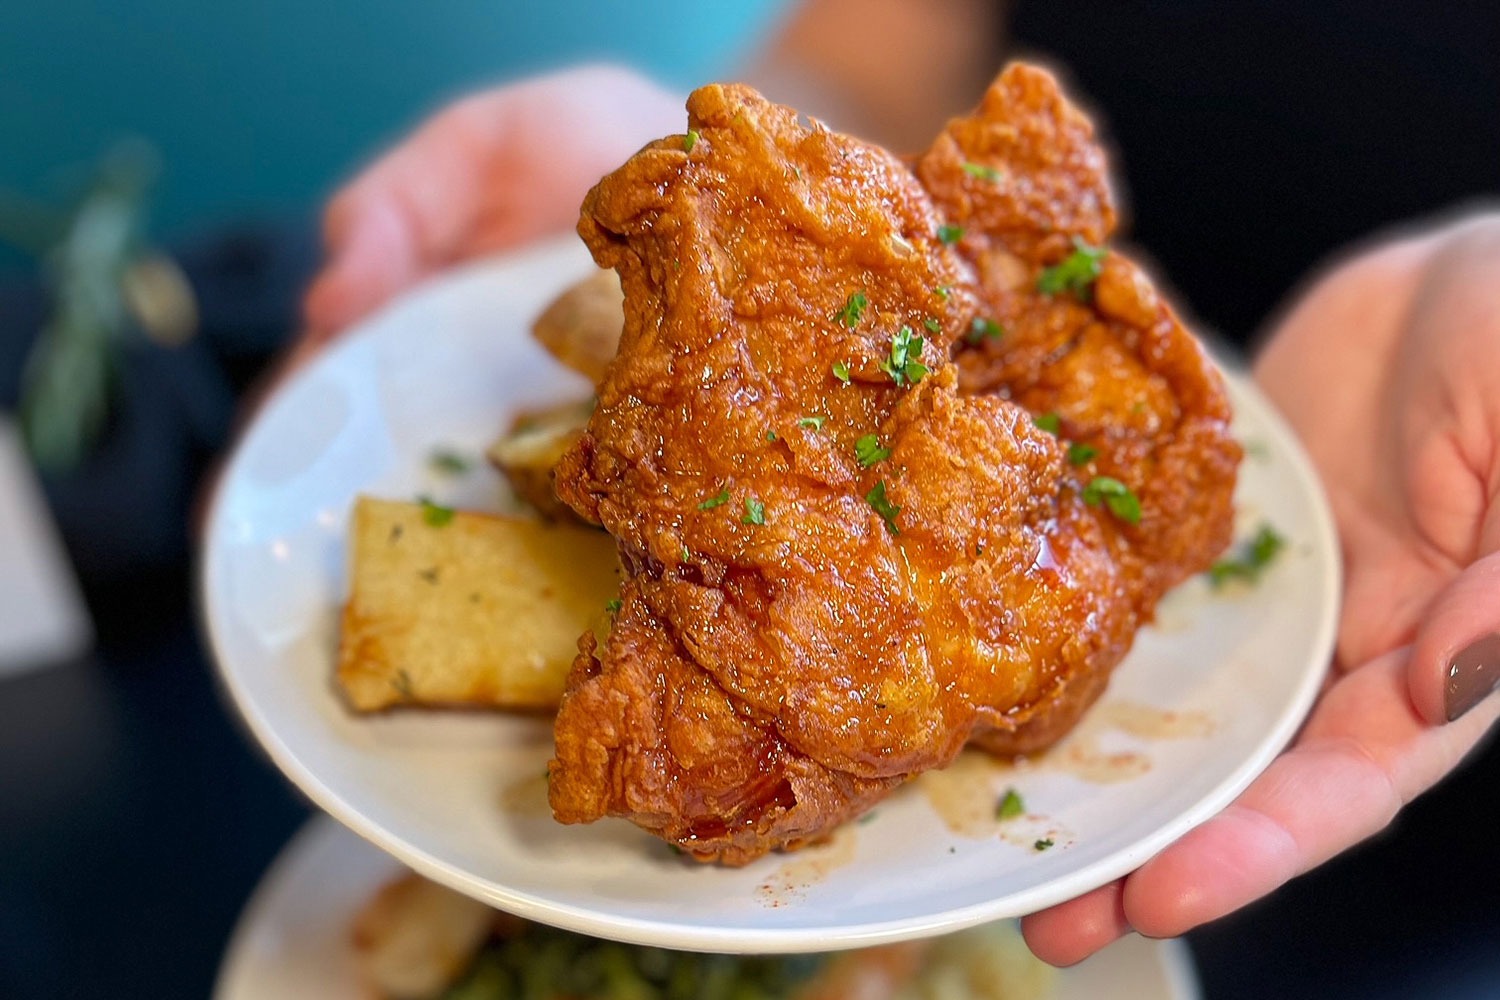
x,y
373,254
1455,661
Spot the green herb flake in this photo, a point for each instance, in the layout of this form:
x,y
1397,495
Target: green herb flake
x,y
1049,422
1076,273
854,309
883,506
448,462
1080,453
932,325
841,371
944,292
771,436
981,171
982,329
904,365
1251,558
1042,845
435,514
613,606
1116,496
402,683
755,512
690,140
685,555
1010,805
867,451
719,499
814,422
950,234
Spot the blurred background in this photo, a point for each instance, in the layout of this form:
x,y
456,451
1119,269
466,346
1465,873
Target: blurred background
x,y
162,167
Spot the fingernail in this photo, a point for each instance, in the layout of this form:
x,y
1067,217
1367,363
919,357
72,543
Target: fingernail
x,y
1473,675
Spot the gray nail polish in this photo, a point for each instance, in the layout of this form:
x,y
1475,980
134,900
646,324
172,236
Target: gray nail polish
x,y
1473,675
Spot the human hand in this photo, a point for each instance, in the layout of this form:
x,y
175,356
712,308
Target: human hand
x,y
1386,371
490,172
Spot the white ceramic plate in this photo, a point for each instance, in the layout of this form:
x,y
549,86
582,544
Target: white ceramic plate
x,y
1203,703
293,937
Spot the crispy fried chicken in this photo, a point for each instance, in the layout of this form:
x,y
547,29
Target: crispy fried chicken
x,y
848,554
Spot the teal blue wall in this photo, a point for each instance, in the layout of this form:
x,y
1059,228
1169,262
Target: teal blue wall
x,y
262,105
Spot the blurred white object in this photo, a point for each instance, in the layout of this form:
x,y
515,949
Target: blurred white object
x,y
42,617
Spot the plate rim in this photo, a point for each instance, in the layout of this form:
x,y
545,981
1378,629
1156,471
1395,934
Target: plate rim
x,y
764,940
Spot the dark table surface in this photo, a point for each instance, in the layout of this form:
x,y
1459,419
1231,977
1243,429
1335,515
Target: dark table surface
x,y
136,817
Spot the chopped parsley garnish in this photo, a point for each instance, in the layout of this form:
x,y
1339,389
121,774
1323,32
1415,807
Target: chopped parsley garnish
x,y
1253,556
814,422
448,462
684,555
950,234
1077,272
883,506
719,499
1010,805
755,512
402,683
613,606
854,309
690,140
1116,496
1042,845
771,435
903,365
435,514
1080,453
1049,422
983,328
944,292
841,371
933,326
981,171
868,451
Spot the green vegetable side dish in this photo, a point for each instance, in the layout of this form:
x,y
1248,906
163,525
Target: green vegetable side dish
x,y
543,963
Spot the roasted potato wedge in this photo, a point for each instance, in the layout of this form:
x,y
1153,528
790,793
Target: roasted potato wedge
x,y
454,608
581,328
527,455
414,938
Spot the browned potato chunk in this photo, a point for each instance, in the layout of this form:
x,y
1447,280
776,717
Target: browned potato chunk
x,y
581,328
414,938
470,609
527,455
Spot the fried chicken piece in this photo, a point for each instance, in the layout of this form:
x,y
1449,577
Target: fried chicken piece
x,y
812,617
1132,390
